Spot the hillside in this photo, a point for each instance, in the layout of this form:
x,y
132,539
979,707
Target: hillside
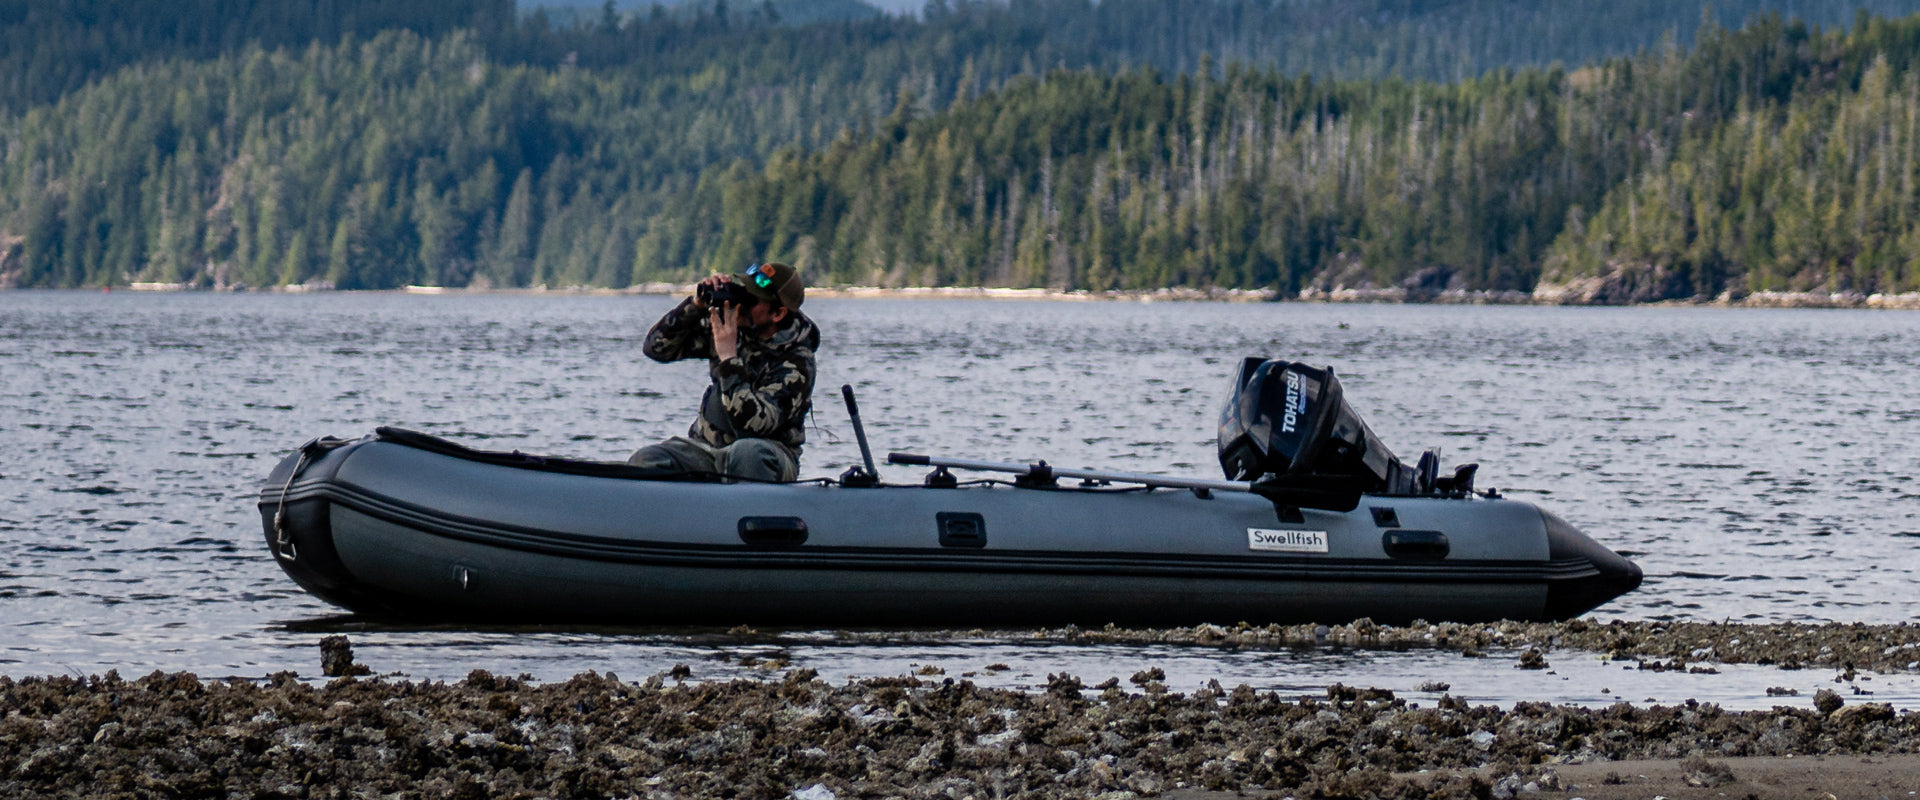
x,y
1769,159
1065,144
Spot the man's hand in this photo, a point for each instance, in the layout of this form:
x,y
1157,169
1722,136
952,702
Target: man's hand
x,y
725,321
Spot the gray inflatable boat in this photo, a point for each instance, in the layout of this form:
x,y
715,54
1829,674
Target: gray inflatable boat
x,y
407,526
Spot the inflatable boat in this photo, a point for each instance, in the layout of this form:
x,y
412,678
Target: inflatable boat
x,y
1314,522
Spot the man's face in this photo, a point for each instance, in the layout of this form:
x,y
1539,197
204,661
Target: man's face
x,y
761,317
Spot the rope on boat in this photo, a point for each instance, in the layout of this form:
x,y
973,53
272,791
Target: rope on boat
x,y
283,547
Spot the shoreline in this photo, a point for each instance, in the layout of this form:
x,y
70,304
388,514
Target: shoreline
x,y
792,734
1908,301
795,735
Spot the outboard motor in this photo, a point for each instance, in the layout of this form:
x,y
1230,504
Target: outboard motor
x,y
1285,419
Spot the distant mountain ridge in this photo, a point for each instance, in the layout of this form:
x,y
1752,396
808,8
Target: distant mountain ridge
x,y
578,13
528,6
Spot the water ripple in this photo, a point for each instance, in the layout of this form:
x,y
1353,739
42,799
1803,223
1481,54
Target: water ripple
x,y
1758,463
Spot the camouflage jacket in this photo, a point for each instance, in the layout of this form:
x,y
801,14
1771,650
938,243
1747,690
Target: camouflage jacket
x,y
763,393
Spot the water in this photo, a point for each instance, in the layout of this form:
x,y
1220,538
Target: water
x,y
1759,464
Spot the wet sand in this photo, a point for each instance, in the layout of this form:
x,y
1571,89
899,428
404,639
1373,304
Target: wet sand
x,y
1766,777
168,735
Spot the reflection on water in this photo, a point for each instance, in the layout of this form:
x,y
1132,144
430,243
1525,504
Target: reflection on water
x,y
1759,464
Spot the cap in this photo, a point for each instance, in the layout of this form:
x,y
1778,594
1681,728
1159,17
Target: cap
x,y
774,282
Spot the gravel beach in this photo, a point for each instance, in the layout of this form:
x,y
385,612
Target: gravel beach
x,y
600,736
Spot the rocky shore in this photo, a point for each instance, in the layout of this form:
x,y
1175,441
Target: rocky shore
x,y
1579,294
597,735
1546,295
173,735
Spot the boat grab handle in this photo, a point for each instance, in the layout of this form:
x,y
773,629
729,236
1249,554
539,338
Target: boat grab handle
x,y
773,531
1415,545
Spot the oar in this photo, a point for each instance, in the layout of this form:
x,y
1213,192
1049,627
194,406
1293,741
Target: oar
x,y
1327,492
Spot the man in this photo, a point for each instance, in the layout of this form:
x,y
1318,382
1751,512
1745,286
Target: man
x,y
760,357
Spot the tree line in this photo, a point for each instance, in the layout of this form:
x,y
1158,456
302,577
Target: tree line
x,y
1768,159
978,145
1817,195
50,48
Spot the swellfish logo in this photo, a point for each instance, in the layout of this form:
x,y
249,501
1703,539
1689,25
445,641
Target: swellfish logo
x,y
1286,541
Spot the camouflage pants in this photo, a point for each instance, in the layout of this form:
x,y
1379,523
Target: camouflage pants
x,y
748,459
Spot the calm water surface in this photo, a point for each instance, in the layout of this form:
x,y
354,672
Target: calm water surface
x,y
1759,464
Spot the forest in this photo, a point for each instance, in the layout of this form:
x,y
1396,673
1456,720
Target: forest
x,y
1039,143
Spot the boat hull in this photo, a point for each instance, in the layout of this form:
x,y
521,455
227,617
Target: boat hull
x,y
396,530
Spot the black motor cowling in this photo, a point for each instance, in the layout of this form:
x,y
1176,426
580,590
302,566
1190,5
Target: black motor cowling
x,y
1288,419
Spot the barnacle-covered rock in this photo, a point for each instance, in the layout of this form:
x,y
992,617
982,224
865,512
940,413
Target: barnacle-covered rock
x,y
596,735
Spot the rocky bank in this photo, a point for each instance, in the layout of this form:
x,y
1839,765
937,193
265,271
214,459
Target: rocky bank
x,y
174,735
598,736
